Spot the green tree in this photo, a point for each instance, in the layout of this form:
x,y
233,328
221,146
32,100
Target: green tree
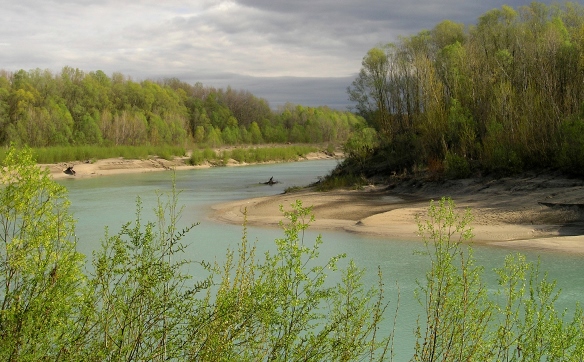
x,y
87,131
361,143
230,135
40,270
370,89
213,136
199,135
515,76
276,134
245,106
158,131
297,134
255,133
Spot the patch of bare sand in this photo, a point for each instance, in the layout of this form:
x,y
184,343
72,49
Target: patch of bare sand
x,y
113,166
541,212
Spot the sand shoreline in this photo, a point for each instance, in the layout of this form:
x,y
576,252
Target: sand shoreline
x,y
116,166
534,211
507,213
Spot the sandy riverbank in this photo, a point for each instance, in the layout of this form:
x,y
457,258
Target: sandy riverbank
x,y
113,166
543,212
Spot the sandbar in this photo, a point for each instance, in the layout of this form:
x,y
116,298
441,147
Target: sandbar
x,y
534,211
116,166
542,211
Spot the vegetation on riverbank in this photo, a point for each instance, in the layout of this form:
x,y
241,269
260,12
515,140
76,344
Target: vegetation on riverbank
x,y
137,303
77,108
88,153
502,96
467,321
219,157
251,154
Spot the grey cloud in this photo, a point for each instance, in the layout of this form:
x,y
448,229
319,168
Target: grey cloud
x,y
302,51
281,90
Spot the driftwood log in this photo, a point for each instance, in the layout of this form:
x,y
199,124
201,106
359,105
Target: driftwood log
x,y
70,171
270,182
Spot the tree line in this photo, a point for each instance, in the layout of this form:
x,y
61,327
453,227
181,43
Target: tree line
x,y
502,95
42,109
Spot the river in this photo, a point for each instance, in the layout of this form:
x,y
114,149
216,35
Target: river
x,y
111,200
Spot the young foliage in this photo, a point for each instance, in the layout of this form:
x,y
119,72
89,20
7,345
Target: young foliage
x,y
498,95
455,299
40,269
464,323
530,328
282,308
140,295
139,304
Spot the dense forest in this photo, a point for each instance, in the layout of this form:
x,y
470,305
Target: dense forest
x,y
42,109
502,96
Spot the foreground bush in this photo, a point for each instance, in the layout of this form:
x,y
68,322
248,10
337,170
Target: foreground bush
x,y
139,304
281,309
41,279
464,322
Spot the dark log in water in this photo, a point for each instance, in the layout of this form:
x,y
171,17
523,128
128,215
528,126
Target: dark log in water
x,y
270,182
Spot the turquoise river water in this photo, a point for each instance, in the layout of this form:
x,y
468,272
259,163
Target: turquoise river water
x,y
111,201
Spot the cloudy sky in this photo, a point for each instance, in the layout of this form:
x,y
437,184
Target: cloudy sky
x,y
301,51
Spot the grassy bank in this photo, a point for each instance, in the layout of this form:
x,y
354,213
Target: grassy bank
x,y
251,155
82,153
198,156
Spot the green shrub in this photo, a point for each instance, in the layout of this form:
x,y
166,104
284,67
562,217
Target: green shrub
x,y
280,308
267,154
209,154
498,156
361,143
455,298
330,149
570,158
41,273
138,303
292,189
138,295
465,323
456,166
196,158
332,182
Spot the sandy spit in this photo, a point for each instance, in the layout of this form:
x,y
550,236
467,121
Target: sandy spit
x,y
536,211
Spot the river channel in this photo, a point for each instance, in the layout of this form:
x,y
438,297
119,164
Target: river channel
x,y
111,201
